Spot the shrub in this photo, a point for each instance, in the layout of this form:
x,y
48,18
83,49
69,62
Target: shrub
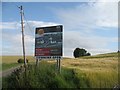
x,y
22,60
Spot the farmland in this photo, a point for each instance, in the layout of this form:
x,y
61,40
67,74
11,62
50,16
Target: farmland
x,y
11,61
99,71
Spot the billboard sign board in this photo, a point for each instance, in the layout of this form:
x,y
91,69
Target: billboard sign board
x,y
48,41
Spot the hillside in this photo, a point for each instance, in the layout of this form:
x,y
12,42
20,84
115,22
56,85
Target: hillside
x,y
101,70
106,55
97,62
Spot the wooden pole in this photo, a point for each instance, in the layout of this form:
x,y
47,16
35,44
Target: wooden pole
x,y
22,27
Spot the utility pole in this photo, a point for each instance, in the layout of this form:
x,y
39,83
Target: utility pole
x,y
22,27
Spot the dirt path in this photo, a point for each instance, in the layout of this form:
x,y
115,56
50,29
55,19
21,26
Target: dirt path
x,y
8,72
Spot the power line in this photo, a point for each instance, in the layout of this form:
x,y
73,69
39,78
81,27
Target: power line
x,y
30,29
28,25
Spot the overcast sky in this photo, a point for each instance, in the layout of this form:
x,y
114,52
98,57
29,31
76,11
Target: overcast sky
x,y
89,25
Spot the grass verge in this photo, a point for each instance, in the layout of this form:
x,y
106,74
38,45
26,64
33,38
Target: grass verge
x,y
6,66
45,76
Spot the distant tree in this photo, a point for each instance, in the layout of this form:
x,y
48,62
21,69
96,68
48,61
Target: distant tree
x,y
88,54
78,52
118,51
83,52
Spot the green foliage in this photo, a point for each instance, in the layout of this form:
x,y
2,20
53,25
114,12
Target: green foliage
x,y
22,60
88,54
44,76
76,52
80,52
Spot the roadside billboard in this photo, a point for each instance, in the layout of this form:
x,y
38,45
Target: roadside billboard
x,y
48,41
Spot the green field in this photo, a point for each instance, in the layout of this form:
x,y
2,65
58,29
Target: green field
x,y
11,61
100,71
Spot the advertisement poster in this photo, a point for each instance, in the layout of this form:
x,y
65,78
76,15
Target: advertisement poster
x,y
48,41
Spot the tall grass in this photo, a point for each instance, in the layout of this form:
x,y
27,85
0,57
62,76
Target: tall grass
x,y
44,76
101,79
101,72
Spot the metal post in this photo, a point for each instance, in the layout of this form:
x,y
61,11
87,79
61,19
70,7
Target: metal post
x,y
37,60
59,65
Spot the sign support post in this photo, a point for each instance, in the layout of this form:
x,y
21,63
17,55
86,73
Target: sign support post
x,y
59,65
37,61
